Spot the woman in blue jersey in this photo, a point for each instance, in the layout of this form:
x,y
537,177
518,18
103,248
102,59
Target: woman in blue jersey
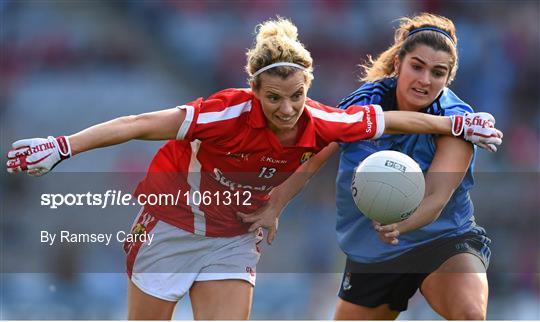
x,y
439,249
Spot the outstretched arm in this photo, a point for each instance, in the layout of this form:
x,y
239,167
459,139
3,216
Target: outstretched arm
x,y
38,156
477,128
404,122
286,191
160,125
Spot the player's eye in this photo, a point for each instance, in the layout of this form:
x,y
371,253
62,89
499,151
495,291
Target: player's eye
x,y
273,98
297,96
439,73
416,67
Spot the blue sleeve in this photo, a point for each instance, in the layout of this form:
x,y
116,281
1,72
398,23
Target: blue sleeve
x,y
452,105
368,93
359,99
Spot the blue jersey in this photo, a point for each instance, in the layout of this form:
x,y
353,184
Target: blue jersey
x,y
355,232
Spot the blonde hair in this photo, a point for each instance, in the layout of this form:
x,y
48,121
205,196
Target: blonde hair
x,y
404,43
277,41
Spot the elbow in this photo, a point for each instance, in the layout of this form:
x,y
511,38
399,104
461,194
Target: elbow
x,y
132,126
427,218
438,206
137,125
431,219
128,120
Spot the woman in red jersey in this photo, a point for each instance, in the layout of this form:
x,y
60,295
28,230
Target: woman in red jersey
x,y
224,156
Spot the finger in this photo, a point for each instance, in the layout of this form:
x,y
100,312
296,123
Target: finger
x,y
387,228
493,140
486,146
17,165
18,152
250,219
270,237
491,137
21,143
255,226
392,234
491,148
38,172
13,168
245,216
240,214
495,133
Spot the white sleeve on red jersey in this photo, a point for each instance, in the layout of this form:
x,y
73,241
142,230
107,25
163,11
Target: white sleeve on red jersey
x,y
353,124
183,130
216,117
379,118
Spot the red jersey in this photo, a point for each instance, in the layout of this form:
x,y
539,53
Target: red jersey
x,y
226,160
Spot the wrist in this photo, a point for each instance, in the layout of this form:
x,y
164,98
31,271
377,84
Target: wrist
x,y
457,124
277,202
74,147
64,147
407,225
278,206
401,227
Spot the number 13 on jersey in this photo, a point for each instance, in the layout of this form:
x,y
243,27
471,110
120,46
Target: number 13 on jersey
x,y
267,173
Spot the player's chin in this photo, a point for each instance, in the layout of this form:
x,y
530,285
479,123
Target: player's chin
x,y
284,125
419,103
422,101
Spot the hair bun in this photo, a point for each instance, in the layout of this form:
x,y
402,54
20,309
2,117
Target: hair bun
x,y
277,28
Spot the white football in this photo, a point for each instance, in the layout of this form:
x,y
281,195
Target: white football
x,y
388,186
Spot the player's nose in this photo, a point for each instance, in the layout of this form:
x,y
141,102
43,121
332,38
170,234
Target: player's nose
x,y
286,108
425,79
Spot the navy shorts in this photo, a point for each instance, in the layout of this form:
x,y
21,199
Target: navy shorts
x,y
395,281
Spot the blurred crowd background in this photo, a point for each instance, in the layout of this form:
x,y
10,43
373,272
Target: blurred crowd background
x,y
66,65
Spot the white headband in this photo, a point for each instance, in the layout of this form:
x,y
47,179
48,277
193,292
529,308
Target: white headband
x,y
265,68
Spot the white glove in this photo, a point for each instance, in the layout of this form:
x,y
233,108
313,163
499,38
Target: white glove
x,y
38,156
478,128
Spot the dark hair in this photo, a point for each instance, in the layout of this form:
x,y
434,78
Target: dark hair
x,y
404,43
